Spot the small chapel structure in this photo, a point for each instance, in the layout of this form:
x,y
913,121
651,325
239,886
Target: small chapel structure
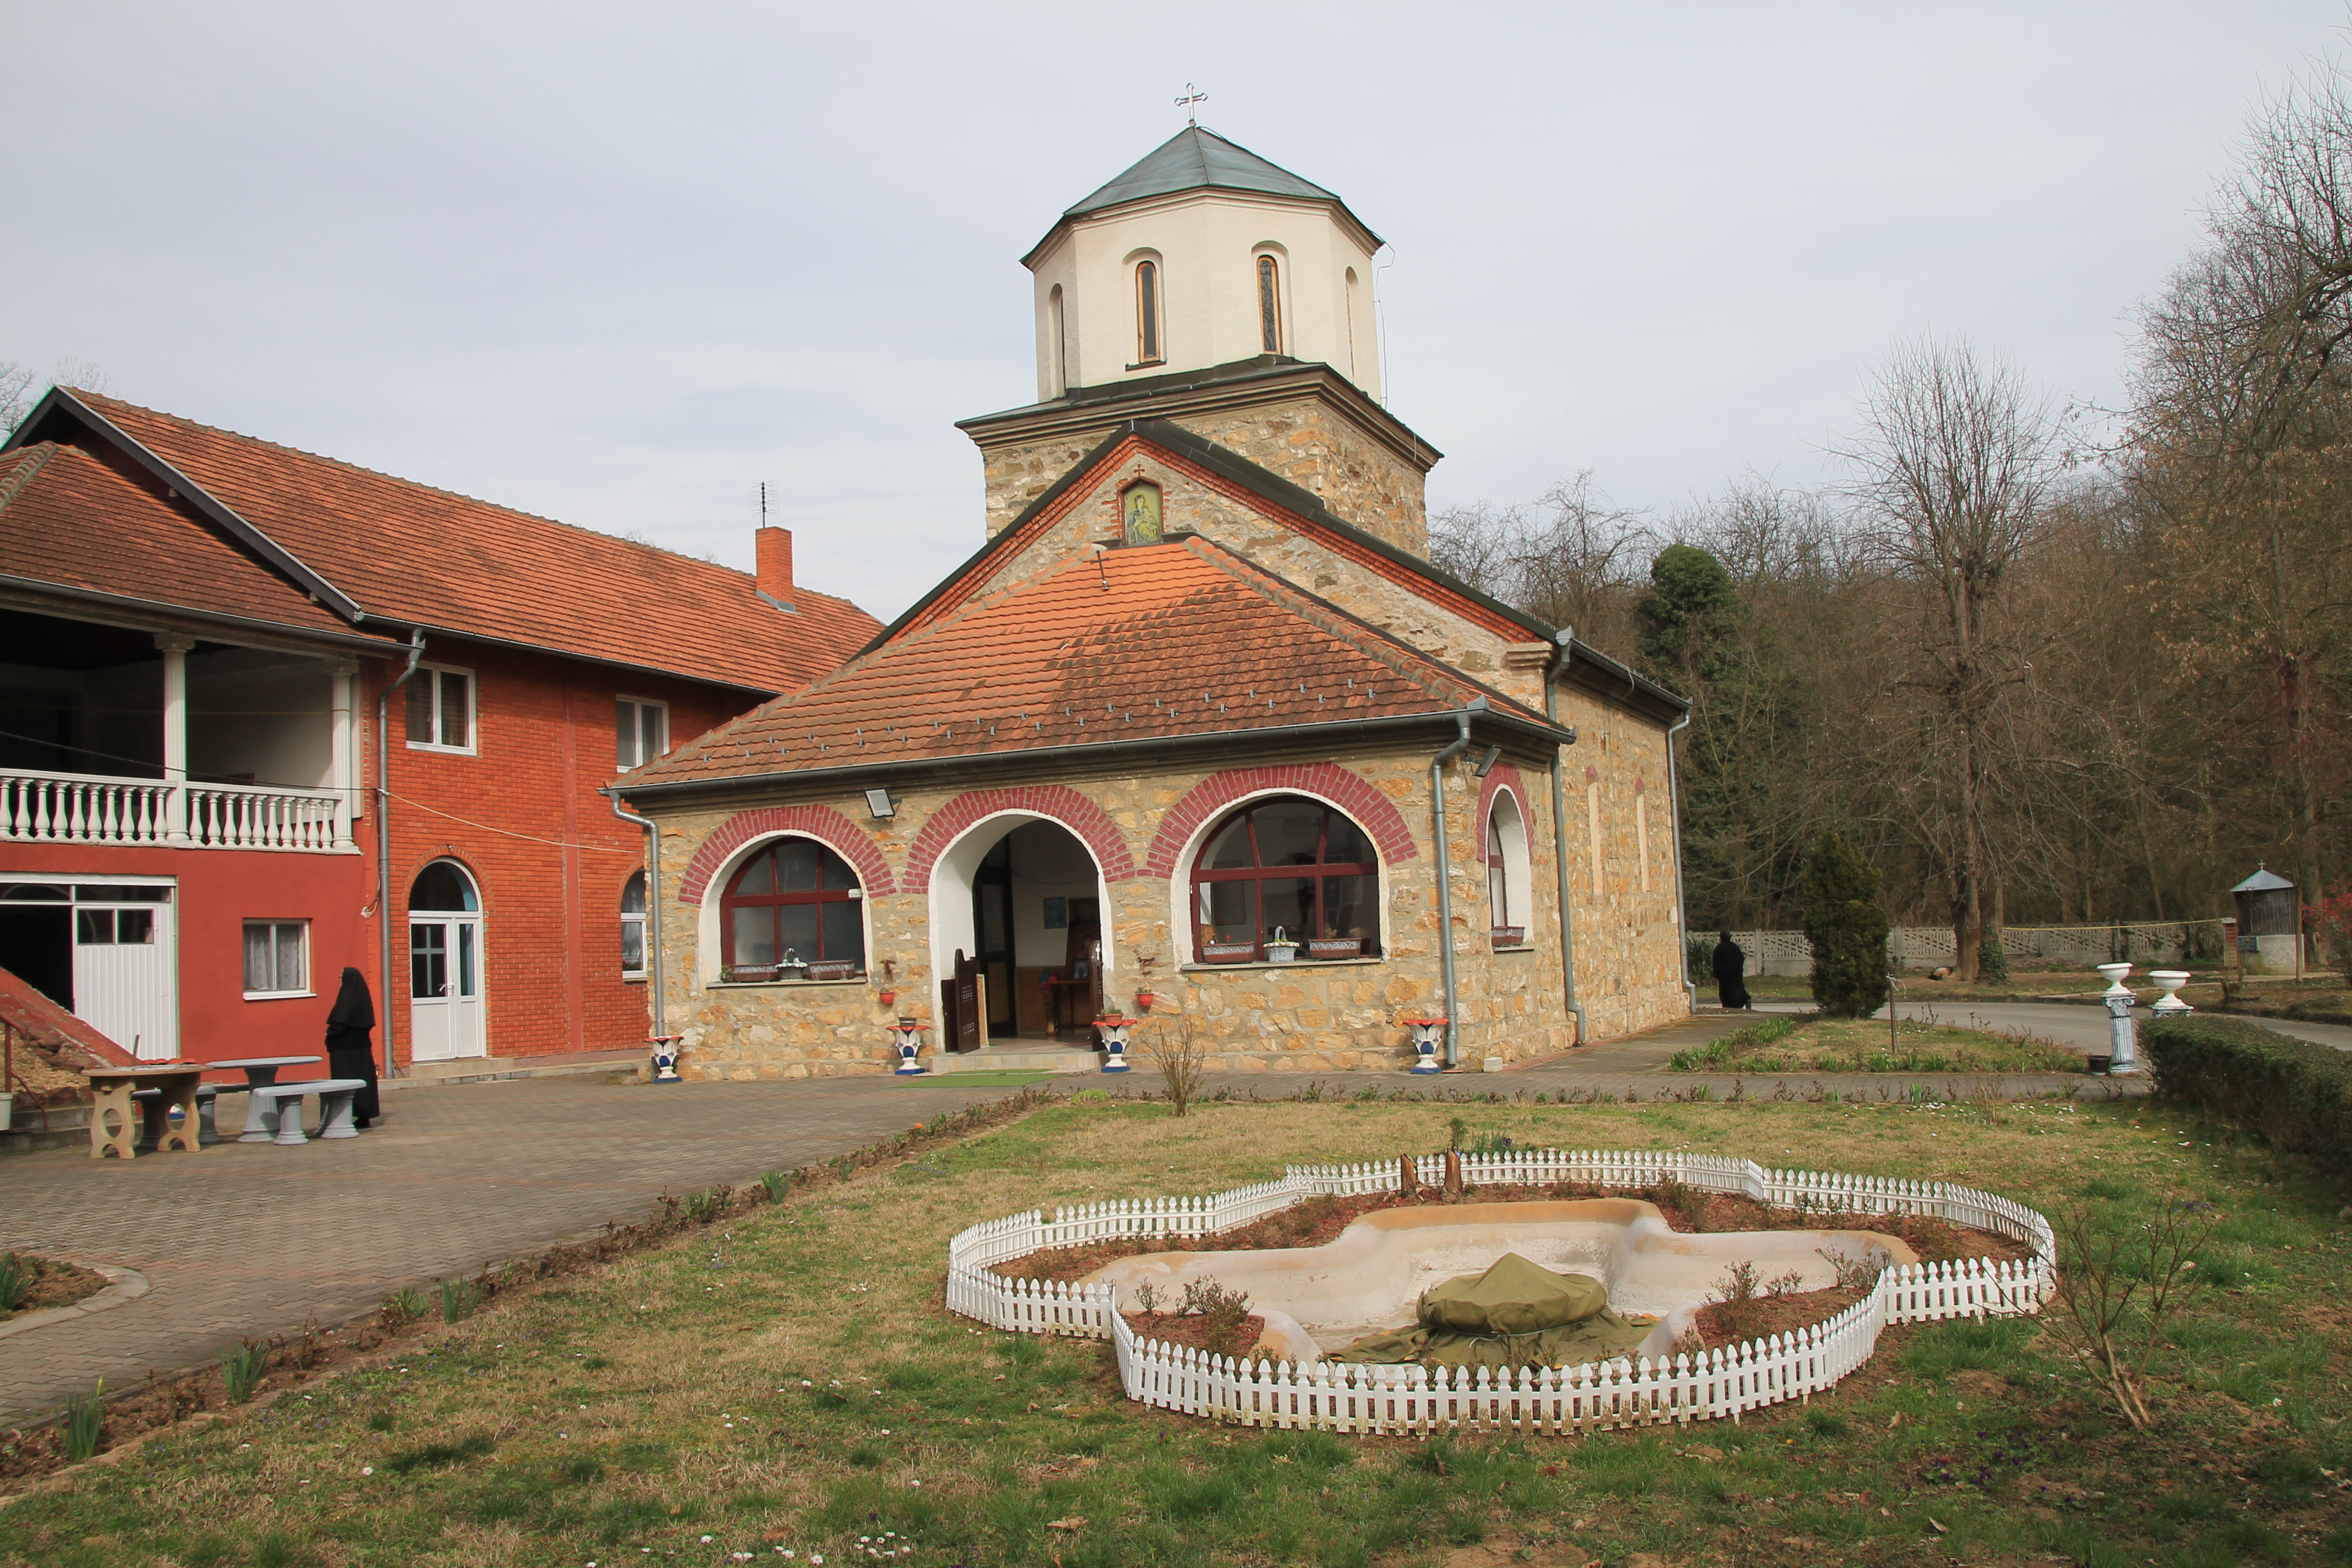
x,y
1198,736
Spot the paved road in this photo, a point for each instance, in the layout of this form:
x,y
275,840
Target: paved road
x,y
251,1239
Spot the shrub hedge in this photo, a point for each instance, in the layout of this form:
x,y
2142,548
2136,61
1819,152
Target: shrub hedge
x,y
2295,1093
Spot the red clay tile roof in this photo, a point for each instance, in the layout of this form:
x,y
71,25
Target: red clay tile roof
x,y
68,518
1182,638
417,556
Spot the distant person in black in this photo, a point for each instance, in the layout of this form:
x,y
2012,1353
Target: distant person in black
x,y
351,1046
1730,971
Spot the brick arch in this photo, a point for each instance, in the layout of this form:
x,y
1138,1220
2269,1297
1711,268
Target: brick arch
x,y
822,823
1501,776
1373,810
1065,805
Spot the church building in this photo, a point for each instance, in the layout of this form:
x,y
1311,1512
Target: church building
x,y
1198,735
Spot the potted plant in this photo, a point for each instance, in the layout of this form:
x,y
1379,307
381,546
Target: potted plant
x,y
888,995
1332,945
1279,948
832,969
1217,951
1509,936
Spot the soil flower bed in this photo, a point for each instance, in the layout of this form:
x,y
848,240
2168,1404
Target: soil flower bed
x,y
1797,1042
51,1282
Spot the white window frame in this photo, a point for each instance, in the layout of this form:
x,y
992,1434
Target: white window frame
x,y
640,703
638,919
301,926
433,672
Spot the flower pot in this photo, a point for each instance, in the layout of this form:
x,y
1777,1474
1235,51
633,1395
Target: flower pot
x,y
888,998
751,974
833,969
1509,936
1335,947
1228,952
1143,1001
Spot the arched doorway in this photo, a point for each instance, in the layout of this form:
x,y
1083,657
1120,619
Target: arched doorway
x,y
445,964
1017,933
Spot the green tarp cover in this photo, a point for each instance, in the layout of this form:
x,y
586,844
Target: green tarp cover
x,y
1517,1313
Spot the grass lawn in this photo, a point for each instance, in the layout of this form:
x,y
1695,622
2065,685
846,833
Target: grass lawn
x,y
786,1381
1800,1043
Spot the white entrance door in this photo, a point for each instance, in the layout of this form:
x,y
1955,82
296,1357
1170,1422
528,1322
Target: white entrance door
x,y
445,964
126,967
444,980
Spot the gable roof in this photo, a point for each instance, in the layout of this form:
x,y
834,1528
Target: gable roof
x,y
1196,159
143,550
1180,641
386,550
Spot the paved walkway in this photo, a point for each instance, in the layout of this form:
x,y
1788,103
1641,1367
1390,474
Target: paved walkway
x,y
252,1240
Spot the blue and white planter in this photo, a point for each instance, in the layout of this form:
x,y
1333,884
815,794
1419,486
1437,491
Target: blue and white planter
x,y
1428,1034
1114,1032
665,1054
908,1034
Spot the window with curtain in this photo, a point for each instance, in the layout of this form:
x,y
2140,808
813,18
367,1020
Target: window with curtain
x,y
641,731
633,925
1291,864
441,709
276,958
793,896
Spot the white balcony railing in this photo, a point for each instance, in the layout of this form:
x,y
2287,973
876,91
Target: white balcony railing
x,y
88,808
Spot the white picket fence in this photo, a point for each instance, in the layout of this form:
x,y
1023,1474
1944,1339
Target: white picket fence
x,y
1405,1399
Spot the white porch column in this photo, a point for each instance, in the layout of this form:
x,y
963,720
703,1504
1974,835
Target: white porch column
x,y
342,776
176,650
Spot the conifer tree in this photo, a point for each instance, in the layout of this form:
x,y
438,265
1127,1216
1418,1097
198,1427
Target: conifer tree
x,y
1846,928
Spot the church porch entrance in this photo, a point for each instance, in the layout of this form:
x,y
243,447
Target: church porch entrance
x,y
1017,910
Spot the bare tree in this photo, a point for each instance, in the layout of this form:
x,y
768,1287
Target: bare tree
x,y
1952,468
1570,558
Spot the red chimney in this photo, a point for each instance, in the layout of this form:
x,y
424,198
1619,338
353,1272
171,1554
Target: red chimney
x,y
776,564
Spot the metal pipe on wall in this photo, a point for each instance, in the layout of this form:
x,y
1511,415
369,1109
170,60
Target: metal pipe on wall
x,y
1567,640
383,833
1460,743
1675,805
653,904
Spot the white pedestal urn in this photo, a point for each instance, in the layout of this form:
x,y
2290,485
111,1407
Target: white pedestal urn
x,y
2169,981
1114,1029
2124,1054
906,1033
665,1054
1428,1033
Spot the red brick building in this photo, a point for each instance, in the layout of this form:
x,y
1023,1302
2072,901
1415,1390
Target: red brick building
x,y
251,697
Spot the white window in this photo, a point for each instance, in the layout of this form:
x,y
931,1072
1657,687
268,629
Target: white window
x,y
640,732
633,927
441,709
276,958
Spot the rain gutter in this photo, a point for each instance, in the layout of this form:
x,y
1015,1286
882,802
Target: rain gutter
x,y
1460,743
384,831
653,902
1675,805
1567,640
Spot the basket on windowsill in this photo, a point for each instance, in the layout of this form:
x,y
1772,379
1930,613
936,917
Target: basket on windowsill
x,y
1335,947
1228,952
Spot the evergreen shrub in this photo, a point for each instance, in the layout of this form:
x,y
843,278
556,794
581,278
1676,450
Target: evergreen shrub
x,y
1992,958
1846,928
2296,1093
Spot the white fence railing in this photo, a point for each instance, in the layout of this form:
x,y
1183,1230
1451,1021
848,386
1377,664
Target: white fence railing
x,y
1349,1397
86,808
1926,947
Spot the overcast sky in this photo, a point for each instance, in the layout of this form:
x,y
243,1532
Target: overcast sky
x,y
618,264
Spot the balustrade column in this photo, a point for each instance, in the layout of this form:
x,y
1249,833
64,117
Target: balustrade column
x,y
176,650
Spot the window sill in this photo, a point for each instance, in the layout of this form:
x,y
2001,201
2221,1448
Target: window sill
x,y
444,751
1294,965
1522,947
277,995
633,978
856,980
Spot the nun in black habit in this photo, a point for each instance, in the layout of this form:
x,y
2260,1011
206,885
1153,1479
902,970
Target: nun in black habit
x,y
1730,972
351,1046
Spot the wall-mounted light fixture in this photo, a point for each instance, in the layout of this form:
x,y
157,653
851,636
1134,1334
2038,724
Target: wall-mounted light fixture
x,y
1487,764
879,803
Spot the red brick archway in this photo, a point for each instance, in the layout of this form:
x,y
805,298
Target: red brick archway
x,y
1065,805
822,823
1373,810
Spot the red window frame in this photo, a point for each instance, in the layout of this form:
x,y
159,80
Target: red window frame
x,y
1317,872
828,861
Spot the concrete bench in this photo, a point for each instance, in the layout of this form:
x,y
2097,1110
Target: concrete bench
x,y
274,1111
154,1115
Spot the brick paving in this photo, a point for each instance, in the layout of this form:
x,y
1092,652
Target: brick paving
x,y
253,1239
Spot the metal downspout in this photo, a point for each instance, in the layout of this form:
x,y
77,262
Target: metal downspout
x,y
1675,805
1560,845
1460,743
653,904
384,831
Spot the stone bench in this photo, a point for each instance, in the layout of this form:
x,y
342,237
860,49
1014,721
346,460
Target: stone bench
x,y
274,1111
155,1116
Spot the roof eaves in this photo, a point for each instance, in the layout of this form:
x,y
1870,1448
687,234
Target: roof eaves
x,y
160,609
1626,673
60,399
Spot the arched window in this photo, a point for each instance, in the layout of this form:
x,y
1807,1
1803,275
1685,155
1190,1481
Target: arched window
x,y
443,885
1508,905
1289,863
633,925
1269,303
1147,312
1058,330
792,902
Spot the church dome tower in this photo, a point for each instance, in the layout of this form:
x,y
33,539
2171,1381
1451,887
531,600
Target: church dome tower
x,y
1204,254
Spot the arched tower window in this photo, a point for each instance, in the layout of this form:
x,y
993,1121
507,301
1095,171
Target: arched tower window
x,y
1269,303
1351,320
792,897
1291,863
1147,312
1058,334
